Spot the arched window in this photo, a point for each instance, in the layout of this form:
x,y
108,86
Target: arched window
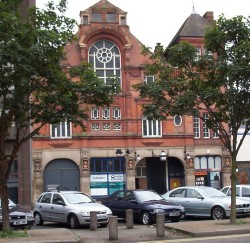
x,y
105,57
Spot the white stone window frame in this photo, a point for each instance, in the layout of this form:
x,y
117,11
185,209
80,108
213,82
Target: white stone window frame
x,y
106,113
153,128
95,114
95,127
205,130
117,113
196,127
106,126
149,79
175,122
107,56
58,133
117,127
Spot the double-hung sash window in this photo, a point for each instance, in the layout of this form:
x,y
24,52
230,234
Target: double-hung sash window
x,y
61,130
206,132
196,126
151,128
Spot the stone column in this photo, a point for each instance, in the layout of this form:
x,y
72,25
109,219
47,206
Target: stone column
x,y
189,177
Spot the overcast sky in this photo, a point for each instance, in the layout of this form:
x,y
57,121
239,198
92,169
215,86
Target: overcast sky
x,y
153,21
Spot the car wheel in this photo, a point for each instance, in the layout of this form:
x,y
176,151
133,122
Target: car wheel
x,y
218,213
146,218
38,219
73,222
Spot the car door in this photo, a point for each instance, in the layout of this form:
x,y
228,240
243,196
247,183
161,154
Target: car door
x,y
117,204
44,206
58,209
178,196
194,204
132,203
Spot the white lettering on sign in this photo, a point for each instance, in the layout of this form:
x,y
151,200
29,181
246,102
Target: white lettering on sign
x,y
98,178
116,177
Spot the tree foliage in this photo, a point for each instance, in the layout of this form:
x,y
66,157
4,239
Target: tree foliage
x,y
217,83
34,88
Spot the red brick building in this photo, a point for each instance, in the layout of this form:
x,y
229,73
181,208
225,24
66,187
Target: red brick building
x,y
120,147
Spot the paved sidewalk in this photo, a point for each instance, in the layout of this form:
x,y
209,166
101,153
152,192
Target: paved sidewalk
x,y
139,233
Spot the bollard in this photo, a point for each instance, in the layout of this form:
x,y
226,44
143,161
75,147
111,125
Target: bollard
x,y
160,225
129,218
93,221
113,228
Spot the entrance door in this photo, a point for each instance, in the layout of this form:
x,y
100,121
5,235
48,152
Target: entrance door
x,y
174,182
156,175
62,173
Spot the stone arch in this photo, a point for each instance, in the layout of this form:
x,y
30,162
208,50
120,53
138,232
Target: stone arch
x,y
63,174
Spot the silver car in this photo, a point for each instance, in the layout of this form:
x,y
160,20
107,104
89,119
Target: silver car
x,y
19,217
242,191
70,207
205,201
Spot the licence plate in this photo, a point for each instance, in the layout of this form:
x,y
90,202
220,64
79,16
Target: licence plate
x,y
174,214
102,216
247,210
20,222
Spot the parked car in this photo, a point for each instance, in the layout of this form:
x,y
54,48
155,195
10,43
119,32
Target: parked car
x,y
242,191
70,207
145,205
18,216
205,201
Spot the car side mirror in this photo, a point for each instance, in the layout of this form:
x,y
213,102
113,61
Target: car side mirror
x,y
60,202
200,197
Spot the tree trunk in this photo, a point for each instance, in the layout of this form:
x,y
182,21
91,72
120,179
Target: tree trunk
x,y
4,194
233,191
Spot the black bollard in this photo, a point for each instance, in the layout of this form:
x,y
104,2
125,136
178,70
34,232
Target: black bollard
x,y
113,228
160,225
129,218
93,221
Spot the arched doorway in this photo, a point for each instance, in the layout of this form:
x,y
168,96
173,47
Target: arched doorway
x,y
160,176
63,174
176,175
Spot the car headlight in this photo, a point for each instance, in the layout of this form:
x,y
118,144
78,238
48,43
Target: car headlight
x,y
159,210
29,215
109,211
85,213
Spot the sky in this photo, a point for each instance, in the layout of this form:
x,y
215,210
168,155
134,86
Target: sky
x,y
157,21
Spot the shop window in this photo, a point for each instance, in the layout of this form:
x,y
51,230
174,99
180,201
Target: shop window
x,y
141,169
208,162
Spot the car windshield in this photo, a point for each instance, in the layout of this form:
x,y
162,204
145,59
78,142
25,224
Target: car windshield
x,y
144,196
77,198
211,192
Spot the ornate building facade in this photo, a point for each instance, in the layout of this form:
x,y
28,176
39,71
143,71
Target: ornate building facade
x,y
120,147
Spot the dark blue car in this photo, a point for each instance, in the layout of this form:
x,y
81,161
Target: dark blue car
x,y
146,204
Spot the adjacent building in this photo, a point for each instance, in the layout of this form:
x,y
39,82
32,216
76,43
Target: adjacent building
x,y
120,147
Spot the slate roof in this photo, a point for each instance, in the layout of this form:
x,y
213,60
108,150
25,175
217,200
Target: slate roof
x,y
193,26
